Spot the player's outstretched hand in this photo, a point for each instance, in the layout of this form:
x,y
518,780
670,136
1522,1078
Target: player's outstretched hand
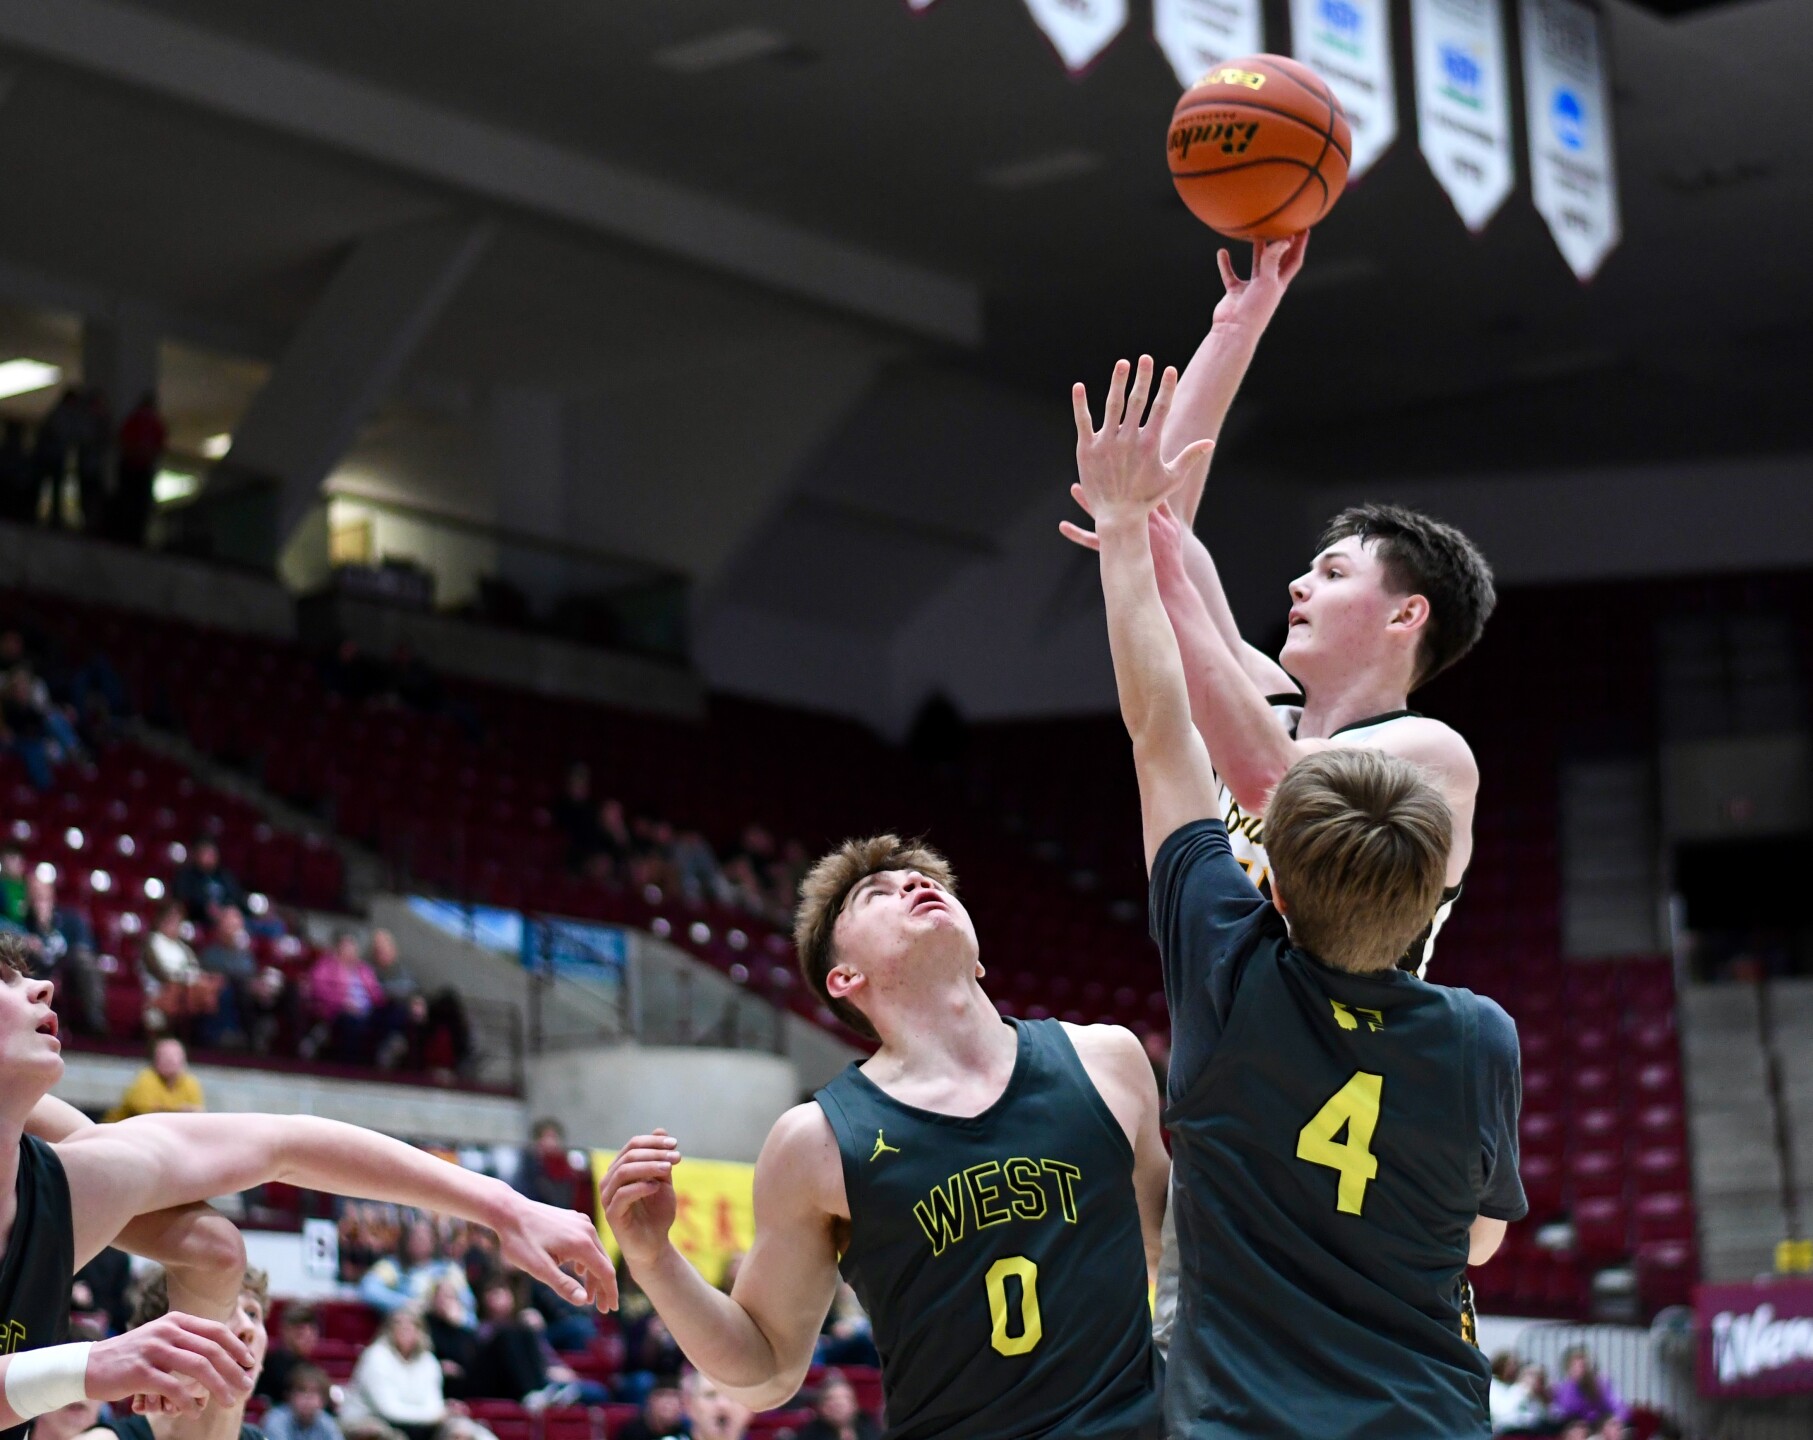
x,y
178,1361
637,1194
1122,472
554,1245
1252,302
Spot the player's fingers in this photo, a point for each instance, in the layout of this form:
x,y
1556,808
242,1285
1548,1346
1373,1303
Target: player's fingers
x,y
1161,403
214,1333
641,1156
212,1365
657,1170
1299,247
1225,263
171,1392
1142,387
621,1200
1079,407
1116,410
1076,535
1191,461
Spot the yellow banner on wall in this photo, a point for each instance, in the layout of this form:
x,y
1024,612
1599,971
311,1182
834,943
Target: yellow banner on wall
x,y
714,1210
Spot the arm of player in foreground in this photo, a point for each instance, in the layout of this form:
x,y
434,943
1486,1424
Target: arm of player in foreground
x,y
1206,391
202,1252
1126,480
152,1162
757,1342
180,1361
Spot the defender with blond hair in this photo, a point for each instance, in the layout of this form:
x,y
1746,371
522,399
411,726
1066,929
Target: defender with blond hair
x,y
1344,1133
993,1190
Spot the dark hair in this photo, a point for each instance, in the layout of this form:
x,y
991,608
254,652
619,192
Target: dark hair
x,y
309,1377
545,1124
823,892
300,1314
1422,556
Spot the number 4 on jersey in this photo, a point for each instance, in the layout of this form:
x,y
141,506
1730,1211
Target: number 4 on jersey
x,y
1354,1106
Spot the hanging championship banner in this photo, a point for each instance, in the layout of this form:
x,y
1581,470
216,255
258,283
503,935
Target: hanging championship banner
x,y
1198,35
1348,43
1463,103
1567,109
1079,30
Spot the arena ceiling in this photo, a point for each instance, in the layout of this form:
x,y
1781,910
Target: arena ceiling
x,y
683,178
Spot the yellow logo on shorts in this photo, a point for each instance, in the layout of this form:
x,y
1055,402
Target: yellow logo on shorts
x,y
1232,75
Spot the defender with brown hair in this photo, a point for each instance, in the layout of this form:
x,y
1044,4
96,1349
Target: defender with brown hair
x,y
1344,1133
993,1191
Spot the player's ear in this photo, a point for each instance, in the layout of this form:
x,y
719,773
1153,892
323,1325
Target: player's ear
x,y
843,981
1412,613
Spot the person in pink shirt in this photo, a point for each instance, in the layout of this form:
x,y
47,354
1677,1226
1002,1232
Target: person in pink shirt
x,y
141,442
345,1000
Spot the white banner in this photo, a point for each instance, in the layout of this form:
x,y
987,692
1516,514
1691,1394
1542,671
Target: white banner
x,y
1198,35
1348,43
1079,30
1463,102
1567,109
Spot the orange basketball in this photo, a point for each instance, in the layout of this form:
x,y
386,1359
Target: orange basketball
x,y
1259,148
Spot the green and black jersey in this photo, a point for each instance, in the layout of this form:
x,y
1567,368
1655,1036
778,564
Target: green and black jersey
x,y
1000,1256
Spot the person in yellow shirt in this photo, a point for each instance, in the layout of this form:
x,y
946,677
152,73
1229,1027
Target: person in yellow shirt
x,y
164,1085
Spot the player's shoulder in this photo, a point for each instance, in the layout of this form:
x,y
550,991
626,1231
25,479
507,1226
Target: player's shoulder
x,y
1497,1030
1113,1057
1430,742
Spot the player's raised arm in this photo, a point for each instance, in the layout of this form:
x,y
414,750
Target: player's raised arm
x,y
1125,479
152,1162
1212,378
756,1342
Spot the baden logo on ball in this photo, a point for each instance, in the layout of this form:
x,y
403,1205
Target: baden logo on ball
x,y
1259,148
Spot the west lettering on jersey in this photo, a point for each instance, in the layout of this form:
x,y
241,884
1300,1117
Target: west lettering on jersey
x,y
12,1337
995,1192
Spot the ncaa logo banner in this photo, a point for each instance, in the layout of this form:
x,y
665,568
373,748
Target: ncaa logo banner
x,y
1198,35
1567,109
1348,43
1463,103
1079,30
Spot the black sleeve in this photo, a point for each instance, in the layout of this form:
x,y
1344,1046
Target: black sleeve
x,y
1207,917
1500,1102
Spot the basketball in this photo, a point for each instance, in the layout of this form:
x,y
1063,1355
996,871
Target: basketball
x,y
1259,148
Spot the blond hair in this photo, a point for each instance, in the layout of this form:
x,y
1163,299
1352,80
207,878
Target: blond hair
x,y
821,900
1359,842
154,1295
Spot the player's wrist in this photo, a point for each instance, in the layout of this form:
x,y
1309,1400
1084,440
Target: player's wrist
x,y
39,1381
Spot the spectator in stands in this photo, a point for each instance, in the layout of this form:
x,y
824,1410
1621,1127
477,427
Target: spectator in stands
x,y
663,1416
701,881
403,1018
1585,1394
613,845
575,814
848,1338
1517,1405
650,1355
165,1085
409,1278
18,492
515,1361
547,1172
398,1380
205,886
102,1286
26,728
1612,1428
61,947
345,1001
303,1414
252,995
454,1338
652,856
710,1413
570,1326
12,885
142,439
57,434
175,986
298,1337
835,1413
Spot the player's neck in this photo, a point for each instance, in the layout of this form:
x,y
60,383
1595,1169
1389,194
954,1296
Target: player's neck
x,y
12,1130
958,1031
1332,704
212,1424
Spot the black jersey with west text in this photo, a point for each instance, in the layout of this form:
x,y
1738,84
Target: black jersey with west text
x,y
1334,1137
39,1265
1000,1256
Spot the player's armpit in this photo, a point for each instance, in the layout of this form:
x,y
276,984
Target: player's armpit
x,y
1484,1239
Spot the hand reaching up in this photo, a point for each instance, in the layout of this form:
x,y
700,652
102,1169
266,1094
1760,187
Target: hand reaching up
x,y
1253,301
1122,473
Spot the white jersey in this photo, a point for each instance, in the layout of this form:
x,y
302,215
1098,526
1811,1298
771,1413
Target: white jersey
x,y
1246,832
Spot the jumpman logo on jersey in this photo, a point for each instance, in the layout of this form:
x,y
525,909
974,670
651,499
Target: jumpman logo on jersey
x,y
882,1147
1345,1017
